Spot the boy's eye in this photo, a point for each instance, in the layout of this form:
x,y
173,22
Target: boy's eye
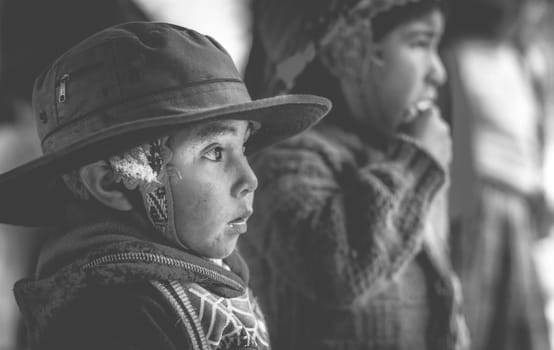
x,y
425,43
215,154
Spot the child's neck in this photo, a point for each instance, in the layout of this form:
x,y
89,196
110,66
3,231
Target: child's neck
x,y
220,263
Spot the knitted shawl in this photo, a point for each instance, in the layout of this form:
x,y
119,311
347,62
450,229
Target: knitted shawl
x,y
336,222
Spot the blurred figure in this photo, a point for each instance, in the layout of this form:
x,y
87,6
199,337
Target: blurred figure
x,y
344,249
33,33
17,244
496,194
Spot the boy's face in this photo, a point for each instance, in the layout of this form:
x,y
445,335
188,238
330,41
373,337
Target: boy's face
x,y
406,71
212,186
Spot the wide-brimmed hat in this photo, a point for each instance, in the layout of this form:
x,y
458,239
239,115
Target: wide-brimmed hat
x,y
129,84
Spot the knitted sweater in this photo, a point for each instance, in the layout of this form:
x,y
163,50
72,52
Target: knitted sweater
x,y
337,223
125,292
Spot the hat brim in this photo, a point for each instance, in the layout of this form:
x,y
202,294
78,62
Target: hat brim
x,y
29,193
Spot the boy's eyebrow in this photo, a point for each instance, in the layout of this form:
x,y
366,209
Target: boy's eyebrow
x,y
422,31
423,28
215,129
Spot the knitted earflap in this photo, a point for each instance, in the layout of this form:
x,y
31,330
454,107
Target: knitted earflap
x,y
145,167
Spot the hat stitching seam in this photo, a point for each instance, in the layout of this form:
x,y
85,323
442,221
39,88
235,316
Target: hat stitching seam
x,y
154,95
60,60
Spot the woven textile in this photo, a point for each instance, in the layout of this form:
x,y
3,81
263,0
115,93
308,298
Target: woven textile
x,y
215,322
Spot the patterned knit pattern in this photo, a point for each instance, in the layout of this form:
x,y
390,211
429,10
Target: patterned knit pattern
x,y
141,167
215,322
145,167
156,207
292,32
349,46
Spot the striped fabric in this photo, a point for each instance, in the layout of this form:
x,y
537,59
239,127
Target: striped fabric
x,y
214,322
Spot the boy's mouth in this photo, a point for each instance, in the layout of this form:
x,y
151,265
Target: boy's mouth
x,y
418,109
239,225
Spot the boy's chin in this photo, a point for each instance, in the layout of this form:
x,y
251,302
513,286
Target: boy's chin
x,y
221,252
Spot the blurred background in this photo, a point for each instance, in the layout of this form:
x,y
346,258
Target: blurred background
x,y
514,141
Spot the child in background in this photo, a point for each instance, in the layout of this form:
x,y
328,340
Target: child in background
x,y
346,253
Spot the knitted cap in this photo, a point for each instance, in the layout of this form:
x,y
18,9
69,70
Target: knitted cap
x,y
292,32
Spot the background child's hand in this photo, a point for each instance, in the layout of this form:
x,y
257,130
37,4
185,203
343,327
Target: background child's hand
x,y
433,133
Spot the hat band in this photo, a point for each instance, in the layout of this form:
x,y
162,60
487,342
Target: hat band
x,y
176,102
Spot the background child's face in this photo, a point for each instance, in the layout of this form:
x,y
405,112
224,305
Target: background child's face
x,y
404,71
212,185
412,70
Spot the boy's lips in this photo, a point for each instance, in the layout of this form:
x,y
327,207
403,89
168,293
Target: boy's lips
x,y
239,225
418,109
243,216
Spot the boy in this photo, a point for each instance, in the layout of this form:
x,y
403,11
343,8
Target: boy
x,y
347,254
146,125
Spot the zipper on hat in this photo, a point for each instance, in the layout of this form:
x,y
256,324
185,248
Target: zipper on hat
x,y
62,82
62,88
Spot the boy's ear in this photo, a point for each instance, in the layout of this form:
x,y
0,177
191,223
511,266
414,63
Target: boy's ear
x,y
98,179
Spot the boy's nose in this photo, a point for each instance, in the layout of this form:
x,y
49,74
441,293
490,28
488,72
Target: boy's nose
x,y
247,181
437,73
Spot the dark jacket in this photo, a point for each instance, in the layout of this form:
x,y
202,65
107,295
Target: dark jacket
x,y
339,241
103,286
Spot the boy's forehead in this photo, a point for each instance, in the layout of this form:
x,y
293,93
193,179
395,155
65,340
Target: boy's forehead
x,y
432,20
209,130
219,127
430,24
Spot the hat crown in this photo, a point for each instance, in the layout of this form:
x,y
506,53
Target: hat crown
x,y
131,71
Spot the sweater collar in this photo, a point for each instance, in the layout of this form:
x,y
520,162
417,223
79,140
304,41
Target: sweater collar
x,y
112,253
